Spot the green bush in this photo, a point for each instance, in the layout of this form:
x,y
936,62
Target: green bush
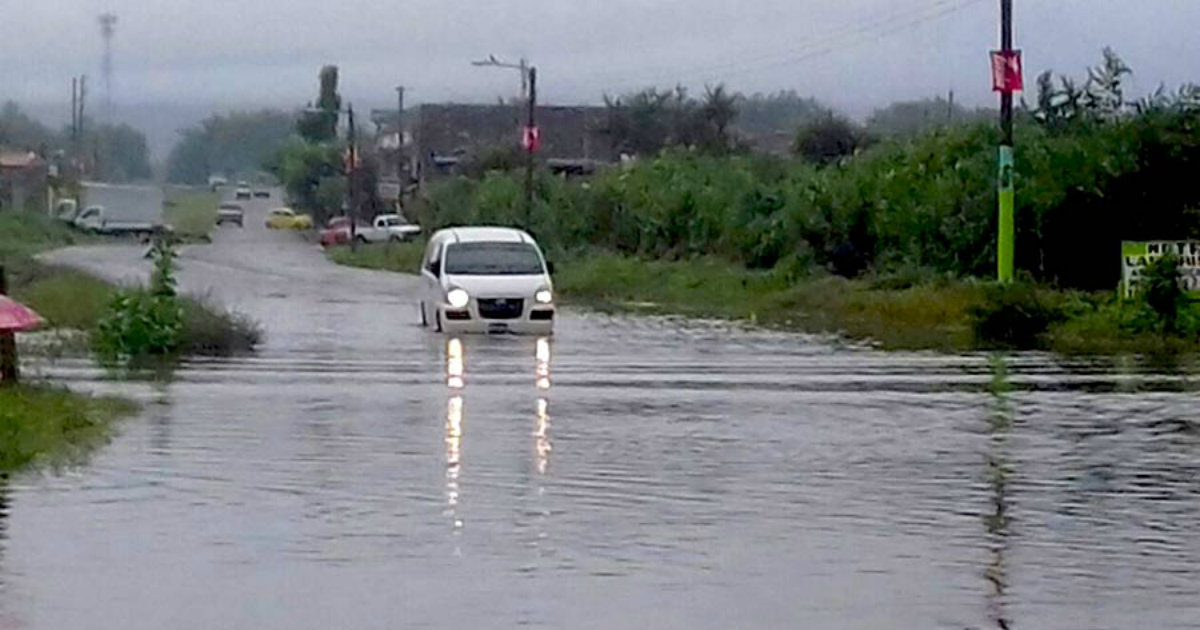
x,y
140,323
1016,315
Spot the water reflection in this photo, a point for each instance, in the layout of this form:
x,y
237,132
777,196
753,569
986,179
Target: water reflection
x,y
998,469
542,363
541,436
454,436
4,506
455,364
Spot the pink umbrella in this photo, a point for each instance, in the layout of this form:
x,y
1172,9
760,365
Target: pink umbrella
x,y
16,317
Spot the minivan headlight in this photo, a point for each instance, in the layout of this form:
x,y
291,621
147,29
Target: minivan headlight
x,y
458,298
543,296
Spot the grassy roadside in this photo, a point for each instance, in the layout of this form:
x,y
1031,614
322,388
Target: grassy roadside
x,y
71,299
400,257
192,213
894,313
40,424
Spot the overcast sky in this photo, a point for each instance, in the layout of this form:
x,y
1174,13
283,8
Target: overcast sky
x,y
854,54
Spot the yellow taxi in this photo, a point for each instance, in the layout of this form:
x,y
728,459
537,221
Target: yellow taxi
x,y
287,219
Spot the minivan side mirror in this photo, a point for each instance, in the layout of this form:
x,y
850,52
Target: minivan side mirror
x,y
435,268
550,267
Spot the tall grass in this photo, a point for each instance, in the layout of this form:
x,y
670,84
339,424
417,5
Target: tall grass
x,y
402,257
52,425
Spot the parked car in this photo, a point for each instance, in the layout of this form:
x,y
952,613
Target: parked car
x,y
486,280
336,232
230,212
385,227
262,193
287,219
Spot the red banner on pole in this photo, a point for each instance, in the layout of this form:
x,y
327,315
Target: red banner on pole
x,y
1007,75
531,139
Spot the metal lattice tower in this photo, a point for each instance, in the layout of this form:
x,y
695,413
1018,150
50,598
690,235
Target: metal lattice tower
x,y
108,23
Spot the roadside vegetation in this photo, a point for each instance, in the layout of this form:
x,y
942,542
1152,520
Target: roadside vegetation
x,y
893,242
50,425
191,212
71,299
402,257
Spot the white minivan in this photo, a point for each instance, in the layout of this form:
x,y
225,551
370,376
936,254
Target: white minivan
x,y
486,280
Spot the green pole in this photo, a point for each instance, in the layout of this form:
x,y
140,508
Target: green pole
x,y
1004,245
1007,195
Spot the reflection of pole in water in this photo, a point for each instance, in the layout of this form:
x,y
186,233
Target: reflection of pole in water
x,y
454,432
996,519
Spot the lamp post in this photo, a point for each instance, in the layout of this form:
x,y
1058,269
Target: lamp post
x,y
530,138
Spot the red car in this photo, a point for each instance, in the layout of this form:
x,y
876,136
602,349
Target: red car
x,y
336,232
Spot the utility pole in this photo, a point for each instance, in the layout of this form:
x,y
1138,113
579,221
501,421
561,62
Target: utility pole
x,y
352,181
399,147
1007,193
79,146
108,23
531,125
74,110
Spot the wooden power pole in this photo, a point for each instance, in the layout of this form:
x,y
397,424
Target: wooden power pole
x,y
531,124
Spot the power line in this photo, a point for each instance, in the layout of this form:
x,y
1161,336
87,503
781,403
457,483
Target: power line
x,y
839,38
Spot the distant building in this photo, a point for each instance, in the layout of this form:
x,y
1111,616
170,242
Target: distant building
x,y
24,178
448,136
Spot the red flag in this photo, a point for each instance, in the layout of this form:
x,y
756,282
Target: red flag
x,y
531,139
1007,73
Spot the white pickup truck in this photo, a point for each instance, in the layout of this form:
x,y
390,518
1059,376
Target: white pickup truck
x,y
386,227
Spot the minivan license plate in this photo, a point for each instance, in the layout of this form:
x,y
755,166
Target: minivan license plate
x,y
497,328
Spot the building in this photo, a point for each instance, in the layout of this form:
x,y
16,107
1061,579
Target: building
x,y
448,136
24,180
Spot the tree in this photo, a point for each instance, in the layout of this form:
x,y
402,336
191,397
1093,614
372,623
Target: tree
x,y
17,129
312,175
238,142
913,118
719,111
319,123
648,121
829,139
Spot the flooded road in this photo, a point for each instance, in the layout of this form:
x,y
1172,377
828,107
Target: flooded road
x,y
628,473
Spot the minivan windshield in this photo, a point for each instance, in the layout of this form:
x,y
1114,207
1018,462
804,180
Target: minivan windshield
x,y
492,259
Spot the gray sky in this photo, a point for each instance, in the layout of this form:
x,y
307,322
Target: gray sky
x,y
854,54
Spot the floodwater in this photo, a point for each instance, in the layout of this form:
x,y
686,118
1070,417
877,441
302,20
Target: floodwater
x,y
361,472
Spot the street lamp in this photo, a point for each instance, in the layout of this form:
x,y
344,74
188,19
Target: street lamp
x,y
530,136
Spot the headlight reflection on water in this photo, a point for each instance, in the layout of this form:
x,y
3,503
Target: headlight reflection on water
x,y
541,436
455,367
454,433
542,365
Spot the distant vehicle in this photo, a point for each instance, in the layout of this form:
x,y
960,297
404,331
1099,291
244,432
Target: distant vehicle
x,y
242,192
385,227
262,193
230,212
287,219
116,209
486,280
216,181
97,219
336,232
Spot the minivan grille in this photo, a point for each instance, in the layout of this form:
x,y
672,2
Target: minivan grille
x,y
501,308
